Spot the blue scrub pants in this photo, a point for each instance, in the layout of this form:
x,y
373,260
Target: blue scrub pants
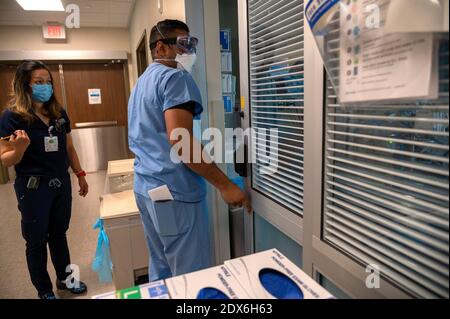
x,y
177,236
46,214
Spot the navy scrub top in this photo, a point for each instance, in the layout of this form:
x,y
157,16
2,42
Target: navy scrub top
x,y
37,162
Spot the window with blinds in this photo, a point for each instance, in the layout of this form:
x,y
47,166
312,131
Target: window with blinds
x,y
386,183
276,96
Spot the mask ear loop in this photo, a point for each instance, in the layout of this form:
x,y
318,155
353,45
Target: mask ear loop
x,y
159,31
162,35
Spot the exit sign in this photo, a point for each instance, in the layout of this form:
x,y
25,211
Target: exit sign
x,y
53,31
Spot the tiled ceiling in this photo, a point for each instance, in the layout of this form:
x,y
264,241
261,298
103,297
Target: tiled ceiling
x,y
93,13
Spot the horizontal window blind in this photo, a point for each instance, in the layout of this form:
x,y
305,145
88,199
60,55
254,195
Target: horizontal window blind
x,y
277,95
386,183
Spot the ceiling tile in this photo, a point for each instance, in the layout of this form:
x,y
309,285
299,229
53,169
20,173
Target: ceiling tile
x,y
94,13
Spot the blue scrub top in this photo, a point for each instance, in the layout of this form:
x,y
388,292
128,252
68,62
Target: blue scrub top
x,y
35,161
159,89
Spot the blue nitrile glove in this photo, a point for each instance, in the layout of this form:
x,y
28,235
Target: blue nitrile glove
x,y
279,285
239,181
102,263
211,294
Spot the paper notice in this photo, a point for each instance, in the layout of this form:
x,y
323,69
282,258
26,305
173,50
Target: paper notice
x,y
375,65
95,96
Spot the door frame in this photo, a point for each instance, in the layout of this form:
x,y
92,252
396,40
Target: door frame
x,y
142,41
202,16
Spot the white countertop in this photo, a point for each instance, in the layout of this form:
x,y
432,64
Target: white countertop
x,y
118,205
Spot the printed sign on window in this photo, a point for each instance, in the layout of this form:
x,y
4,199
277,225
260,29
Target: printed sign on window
x,y
375,65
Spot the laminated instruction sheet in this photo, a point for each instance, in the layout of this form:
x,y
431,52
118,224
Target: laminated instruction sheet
x,y
376,65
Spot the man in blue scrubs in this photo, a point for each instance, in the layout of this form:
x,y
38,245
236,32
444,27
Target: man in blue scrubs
x,y
166,98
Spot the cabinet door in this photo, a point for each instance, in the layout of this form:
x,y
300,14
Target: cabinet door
x,y
139,250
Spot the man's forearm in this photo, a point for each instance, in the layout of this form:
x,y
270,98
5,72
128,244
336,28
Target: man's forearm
x,y
211,173
209,170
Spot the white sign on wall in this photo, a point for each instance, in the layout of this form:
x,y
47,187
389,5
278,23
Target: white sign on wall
x,y
95,96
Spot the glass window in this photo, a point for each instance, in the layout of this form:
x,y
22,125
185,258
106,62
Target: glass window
x,y
277,97
386,183
268,237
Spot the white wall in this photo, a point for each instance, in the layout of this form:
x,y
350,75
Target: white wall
x,y
144,17
92,39
30,38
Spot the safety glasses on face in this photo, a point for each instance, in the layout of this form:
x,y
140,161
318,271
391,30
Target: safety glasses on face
x,y
187,43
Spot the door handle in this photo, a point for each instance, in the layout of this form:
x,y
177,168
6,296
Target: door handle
x,y
96,124
239,167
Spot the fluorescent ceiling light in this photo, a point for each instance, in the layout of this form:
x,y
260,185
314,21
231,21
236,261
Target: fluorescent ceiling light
x,y
41,5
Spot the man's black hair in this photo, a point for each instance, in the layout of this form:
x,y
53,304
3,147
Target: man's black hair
x,y
165,27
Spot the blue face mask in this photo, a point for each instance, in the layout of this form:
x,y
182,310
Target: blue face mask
x,y
42,93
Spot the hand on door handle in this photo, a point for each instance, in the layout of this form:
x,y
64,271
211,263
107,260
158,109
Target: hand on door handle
x,y
234,196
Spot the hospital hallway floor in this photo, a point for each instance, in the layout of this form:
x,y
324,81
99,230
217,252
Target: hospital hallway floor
x,y
14,278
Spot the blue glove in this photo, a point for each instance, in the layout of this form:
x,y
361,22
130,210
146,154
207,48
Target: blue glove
x,y
211,294
102,263
279,285
239,181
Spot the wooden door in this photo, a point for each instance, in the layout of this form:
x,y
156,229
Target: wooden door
x,y
109,79
6,77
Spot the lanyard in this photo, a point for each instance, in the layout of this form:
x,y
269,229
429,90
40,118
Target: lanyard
x,y
50,129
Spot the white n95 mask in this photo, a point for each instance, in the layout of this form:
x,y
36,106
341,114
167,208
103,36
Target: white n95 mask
x,y
186,61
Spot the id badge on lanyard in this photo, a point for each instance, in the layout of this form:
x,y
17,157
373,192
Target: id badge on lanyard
x,y
51,142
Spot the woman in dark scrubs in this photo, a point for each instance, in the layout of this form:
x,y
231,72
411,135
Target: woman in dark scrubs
x,y
35,132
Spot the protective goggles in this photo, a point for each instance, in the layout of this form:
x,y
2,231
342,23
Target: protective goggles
x,y
186,43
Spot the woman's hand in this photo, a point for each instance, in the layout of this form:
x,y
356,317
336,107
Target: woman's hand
x,y
19,141
84,187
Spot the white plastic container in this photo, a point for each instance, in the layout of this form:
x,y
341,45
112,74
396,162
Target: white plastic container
x,y
219,278
119,176
247,272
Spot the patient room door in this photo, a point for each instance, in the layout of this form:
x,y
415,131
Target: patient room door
x,y
106,79
271,44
